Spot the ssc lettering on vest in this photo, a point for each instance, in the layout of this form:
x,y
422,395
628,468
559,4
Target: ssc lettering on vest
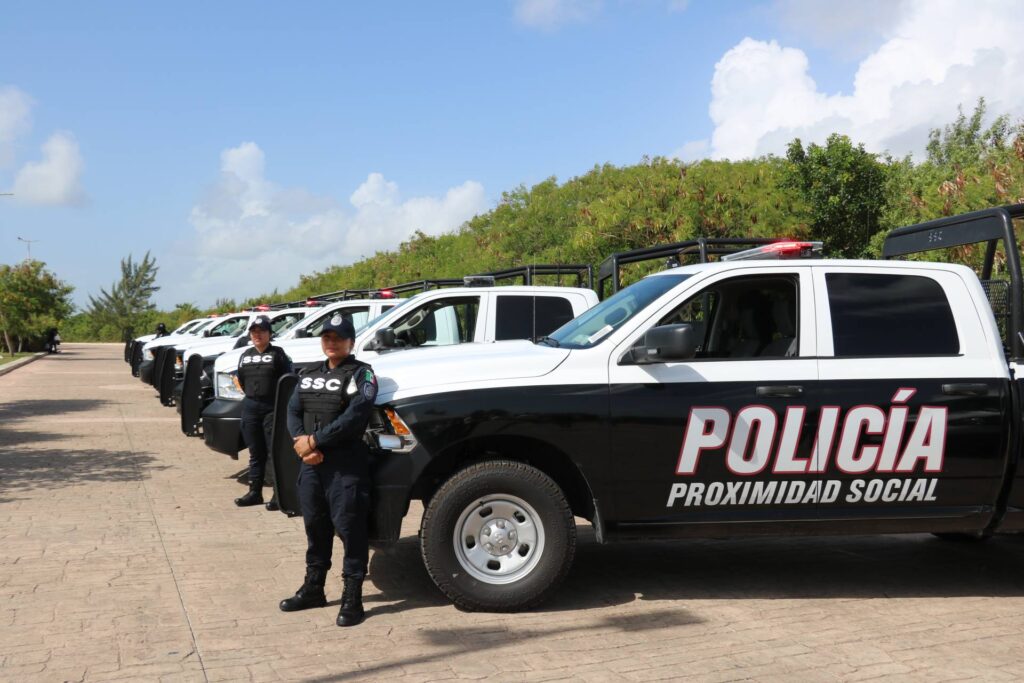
x,y
319,383
749,437
266,358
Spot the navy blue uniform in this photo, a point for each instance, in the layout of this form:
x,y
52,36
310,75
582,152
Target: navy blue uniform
x,y
334,406
258,374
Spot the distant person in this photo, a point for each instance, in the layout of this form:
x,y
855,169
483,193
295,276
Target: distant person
x,y
161,330
327,416
259,368
52,340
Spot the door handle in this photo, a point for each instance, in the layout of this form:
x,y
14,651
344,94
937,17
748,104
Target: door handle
x,y
965,389
780,390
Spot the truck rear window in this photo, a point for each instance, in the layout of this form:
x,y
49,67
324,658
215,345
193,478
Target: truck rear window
x,y
530,317
890,315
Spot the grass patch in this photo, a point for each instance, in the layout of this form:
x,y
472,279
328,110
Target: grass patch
x,y
10,358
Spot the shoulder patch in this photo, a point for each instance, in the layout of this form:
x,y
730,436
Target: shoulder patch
x,y
370,390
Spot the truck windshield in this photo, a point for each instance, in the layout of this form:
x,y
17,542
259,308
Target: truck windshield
x,y
600,321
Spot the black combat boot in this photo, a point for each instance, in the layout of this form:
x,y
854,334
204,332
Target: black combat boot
x,y
254,497
351,612
272,505
310,594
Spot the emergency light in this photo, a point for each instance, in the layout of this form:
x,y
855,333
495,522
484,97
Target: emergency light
x,y
383,294
778,250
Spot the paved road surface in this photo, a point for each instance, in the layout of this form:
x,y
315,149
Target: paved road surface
x,y
122,557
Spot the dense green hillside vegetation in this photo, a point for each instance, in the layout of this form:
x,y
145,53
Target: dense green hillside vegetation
x,y
836,192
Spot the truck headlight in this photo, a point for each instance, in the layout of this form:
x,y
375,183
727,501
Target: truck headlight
x,y
147,354
227,386
400,438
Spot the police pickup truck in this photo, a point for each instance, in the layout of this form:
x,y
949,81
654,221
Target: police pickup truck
x,y
215,325
741,397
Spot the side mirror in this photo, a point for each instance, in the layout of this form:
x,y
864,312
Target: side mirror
x,y
385,338
206,333
302,333
669,342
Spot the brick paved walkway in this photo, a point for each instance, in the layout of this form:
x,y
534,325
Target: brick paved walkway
x,y
122,557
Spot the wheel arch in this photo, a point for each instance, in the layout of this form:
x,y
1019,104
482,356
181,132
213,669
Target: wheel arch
x,y
534,452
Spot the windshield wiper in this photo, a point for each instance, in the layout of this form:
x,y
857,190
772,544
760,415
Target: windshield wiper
x,y
548,341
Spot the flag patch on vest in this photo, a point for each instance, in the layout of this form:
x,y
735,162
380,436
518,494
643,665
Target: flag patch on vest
x,y
369,385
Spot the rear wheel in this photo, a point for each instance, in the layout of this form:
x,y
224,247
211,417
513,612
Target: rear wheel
x,y
498,536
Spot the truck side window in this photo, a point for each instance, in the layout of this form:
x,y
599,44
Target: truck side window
x,y
514,318
890,315
438,323
744,317
550,313
530,317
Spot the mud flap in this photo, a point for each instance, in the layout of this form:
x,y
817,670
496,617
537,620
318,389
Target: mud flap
x,y
192,397
136,358
284,461
165,385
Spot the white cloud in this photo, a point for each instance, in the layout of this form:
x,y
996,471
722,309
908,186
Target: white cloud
x,y
56,179
250,235
550,14
15,121
938,54
692,151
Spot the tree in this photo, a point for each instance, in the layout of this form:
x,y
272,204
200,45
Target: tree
x,y
963,142
128,298
32,299
844,186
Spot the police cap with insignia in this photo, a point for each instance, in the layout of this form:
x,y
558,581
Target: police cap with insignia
x,y
340,325
261,322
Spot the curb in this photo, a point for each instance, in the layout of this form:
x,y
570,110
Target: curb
x,y
10,367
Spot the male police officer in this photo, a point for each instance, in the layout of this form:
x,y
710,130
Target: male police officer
x,y
259,368
327,417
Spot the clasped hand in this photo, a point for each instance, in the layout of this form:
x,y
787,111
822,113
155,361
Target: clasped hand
x,y
305,448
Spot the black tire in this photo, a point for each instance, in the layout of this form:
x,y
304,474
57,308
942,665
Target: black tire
x,y
960,537
479,482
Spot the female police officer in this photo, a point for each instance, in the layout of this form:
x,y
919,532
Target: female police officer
x,y
259,368
327,417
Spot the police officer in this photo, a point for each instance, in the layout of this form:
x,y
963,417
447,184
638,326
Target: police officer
x,y
327,417
161,330
259,368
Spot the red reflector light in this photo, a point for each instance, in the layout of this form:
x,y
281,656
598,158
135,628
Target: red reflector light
x,y
387,294
787,247
263,307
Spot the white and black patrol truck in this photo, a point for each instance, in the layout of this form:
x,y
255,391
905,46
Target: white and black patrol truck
x,y
758,394
133,354
452,312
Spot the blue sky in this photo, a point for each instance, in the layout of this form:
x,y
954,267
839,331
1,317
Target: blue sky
x,y
245,143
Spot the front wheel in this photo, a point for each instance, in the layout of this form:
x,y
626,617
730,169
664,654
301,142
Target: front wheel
x,y
498,536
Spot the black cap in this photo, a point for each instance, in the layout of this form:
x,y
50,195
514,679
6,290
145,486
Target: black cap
x,y
262,322
340,325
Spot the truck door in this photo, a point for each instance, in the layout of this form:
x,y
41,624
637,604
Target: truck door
x,y
916,399
528,316
727,436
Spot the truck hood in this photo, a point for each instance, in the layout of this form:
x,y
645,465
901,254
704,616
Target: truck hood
x,y
452,368
171,340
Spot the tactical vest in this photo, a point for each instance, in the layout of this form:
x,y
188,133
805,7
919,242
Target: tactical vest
x,y
258,373
323,392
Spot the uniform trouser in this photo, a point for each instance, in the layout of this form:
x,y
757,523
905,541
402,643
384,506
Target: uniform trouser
x,y
257,423
335,500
